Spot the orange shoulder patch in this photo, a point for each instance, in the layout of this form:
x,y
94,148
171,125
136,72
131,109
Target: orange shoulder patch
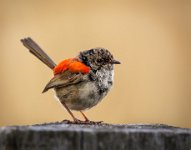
x,y
71,64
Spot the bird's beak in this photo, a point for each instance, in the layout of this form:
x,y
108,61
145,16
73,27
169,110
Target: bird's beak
x,y
115,62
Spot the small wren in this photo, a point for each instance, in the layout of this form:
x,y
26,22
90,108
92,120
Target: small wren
x,y
80,82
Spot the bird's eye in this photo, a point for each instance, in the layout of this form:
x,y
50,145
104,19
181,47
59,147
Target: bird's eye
x,y
84,58
107,60
99,60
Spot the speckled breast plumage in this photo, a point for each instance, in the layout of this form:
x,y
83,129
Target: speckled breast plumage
x,y
87,94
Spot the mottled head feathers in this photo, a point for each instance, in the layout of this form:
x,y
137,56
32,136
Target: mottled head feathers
x,y
97,57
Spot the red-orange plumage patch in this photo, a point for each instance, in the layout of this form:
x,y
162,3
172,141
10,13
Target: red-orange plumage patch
x,y
73,65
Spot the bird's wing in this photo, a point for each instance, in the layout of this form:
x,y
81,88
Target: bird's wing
x,y
65,78
68,72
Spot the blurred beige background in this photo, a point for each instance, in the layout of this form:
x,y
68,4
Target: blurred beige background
x,y
152,39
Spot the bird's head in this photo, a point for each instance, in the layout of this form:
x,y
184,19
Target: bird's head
x,y
97,57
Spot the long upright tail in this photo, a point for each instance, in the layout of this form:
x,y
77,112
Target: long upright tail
x,y
38,52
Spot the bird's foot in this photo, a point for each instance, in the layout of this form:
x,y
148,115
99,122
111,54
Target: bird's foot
x,y
77,121
93,122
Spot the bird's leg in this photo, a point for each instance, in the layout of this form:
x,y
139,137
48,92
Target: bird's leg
x,y
86,119
77,121
74,118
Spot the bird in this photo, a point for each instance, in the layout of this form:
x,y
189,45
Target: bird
x,y
80,82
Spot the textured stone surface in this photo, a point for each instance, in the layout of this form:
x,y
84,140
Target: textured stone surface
x,y
61,136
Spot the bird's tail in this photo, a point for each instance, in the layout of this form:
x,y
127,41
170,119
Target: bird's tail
x,y
38,52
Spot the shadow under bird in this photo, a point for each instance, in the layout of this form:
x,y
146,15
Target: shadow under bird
x,y
80,82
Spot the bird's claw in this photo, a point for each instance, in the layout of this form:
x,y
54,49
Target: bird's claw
x,y
77,121
92,122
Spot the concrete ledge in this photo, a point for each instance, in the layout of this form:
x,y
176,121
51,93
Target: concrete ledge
x,y
62,136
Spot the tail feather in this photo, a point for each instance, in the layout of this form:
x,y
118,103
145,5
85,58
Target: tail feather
x,y
38,52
